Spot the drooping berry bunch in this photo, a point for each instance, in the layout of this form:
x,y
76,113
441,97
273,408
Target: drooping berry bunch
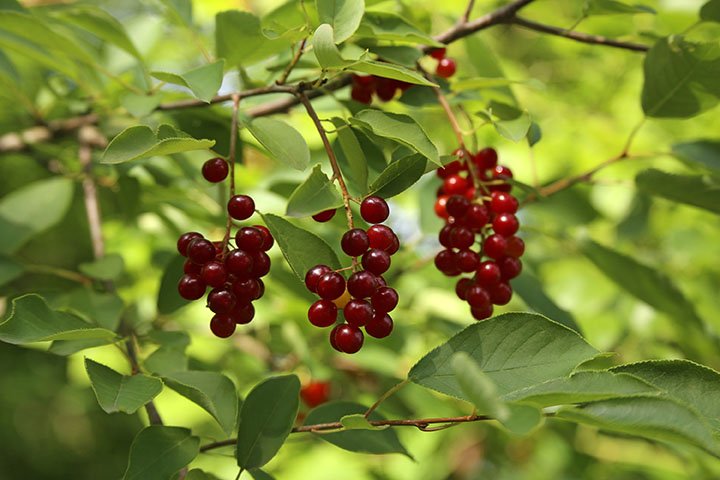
x,y
486,218
364,86
234,275
365,298
446,66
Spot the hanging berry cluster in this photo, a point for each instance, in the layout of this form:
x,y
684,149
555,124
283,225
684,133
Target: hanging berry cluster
x,y
365,298
234,275
364,86
486,217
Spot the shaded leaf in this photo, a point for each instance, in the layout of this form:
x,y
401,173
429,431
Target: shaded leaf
x,y
710,12
697,190
612,7
121,393
282,141
390,26
477,387
522,419
140,141
702,153
399,176
240,41
214,392
530,289
316,194
203,82
169,299
390,70
342,15
9,270
109,267
353,155
157,452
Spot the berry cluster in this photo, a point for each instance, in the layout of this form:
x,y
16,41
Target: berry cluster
x,y
446,66
486,217
363,87
365,298
234,275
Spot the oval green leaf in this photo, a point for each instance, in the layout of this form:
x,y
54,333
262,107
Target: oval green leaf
x,y
158,452
121,393
282,141
343,16
315,194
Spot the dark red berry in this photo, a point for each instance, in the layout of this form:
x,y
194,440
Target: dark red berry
x,y
505,224
268,240
455,185
446,68
486,158
488,274
201,251
394,246
361,94
462,286
348,339
477,296
221,301
380,237
510,267
494,246
313,276
362,284
376,261
331,286
315,393
239,262
438,53
191,287
451,168
441,206
333,343
184,241
500,294
457,206
246,290
322,313
358,312
482,313
514,247
468,260
355,242
364,80
385,299
444,235
446,262
222,326
325,215
215,170
461,237
374,209
261,264
501,171
241,207
380,326
476,217
249,239
503,202
243,314
192,268
213,274
385,89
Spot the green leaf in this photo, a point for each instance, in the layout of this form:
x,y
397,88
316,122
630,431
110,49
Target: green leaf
x,y
363,441
583,387
31,320
68,347
140,105
33,209
203,82
266,418
140,141
695,385
109,267
402,55
326,52
353,154
530,289
197,474
169,299
399,176
478,387
342,15
214,392
301,248
645,283
282,141
166,360
680,78
258,474
9,270
612,7
522,419
103,308
515,350
710,12
315,194
121,393
157,452
513,125
699,191
401,128
240,41
702,153
390,70
390,26
650,417
358,421
180,11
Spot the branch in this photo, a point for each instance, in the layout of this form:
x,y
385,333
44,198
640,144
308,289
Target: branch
x,y
577,36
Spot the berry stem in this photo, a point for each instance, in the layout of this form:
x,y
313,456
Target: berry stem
x,y
468,11
385,396
231,161
296,58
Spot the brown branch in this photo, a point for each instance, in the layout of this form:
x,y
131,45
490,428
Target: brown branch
x,y
296,58
468,11
577,36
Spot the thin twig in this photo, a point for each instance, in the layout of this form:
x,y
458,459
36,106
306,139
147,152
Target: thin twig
x,y
468,11
231,160
385,396
296,58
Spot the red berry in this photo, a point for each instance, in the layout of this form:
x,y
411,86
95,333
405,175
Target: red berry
x,y
385,299
331,286
503,202
315,393
374,210
222,326
184,241
248,289
500,294
477,296
446,262
241,207
488,274
268,240
482,313
455,185
441,206
437,53
446,68
215,170
461,238
243,314
462,286
333,343
510,267
361,94
355,242
394,247
514,247
213,274
476,217
261,264
348,339
313,276
240,263
201,251
467,260
494,246
192,268
380,236
486,158
505,224
380,326
457,206
191,287
322,313
376,261
364,80
325,215
249,239
358,312
362,284
450,169
385,88
221,301
502,173
444,236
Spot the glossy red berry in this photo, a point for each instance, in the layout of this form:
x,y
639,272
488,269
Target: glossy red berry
x,y
374,210
201,251
380,236
249,239
261,264
358,312
494,246
348,339
468,260
446,262
215,170
325,215
246,290
239,263
376,261
500,294
268,240
362,284
322,313
363,80
441,206
451,168
184,241
488,274
213,274
457,206
385,89
331,286
486,158
380,326
446,68
503,202
438,53
192,268
191,287
385,299
444,236
462,286
503,172
313,276
333,343
482,313
455,185
355,242
505,224
509,268
241,207
221,300
394,246
222,326
243,314
461,238
361,94
514,247
476,217
477,296
315,393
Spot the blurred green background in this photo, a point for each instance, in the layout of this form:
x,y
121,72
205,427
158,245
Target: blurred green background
x,y
586,101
